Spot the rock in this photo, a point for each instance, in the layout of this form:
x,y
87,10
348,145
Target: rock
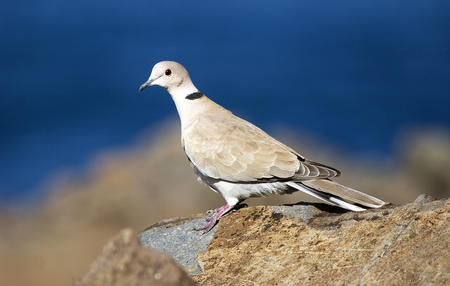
x,y
424,198
125,262
316,245
178,238
303,244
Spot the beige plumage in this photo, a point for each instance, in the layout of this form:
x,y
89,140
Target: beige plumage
x,y
239,160
229,148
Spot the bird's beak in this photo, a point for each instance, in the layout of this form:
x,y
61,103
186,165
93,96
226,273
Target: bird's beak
x,y
146,84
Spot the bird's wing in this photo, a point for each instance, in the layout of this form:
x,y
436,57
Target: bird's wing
x,y
225,147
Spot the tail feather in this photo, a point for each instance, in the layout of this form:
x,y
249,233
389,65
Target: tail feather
x,y
326,197
346,193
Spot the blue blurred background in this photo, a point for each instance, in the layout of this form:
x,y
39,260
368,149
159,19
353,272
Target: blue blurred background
x,y
352,73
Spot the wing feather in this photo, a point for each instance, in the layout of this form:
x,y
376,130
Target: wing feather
x,y
226,147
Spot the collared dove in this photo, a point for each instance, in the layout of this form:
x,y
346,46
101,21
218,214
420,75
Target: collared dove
x,y
239,160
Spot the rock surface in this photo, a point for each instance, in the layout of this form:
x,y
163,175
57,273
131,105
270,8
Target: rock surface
x,y
317,245
303,244
125,262
178,238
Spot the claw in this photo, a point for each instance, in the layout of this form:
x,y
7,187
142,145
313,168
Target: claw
x,y
206,227
211,221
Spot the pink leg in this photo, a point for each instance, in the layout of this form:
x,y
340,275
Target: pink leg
x,y
211,221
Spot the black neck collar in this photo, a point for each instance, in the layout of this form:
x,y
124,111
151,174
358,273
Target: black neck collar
x,y
194,95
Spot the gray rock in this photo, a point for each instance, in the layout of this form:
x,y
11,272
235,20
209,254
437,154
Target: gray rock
x,y
423,198
181,241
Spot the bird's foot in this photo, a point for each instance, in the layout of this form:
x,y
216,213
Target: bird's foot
x,y
211,221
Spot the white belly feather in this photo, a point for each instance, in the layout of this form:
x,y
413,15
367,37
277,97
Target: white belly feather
x,y
233,193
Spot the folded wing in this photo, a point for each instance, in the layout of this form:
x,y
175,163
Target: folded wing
x,y
229,148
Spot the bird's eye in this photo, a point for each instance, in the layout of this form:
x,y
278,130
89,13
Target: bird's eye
x,y
168,72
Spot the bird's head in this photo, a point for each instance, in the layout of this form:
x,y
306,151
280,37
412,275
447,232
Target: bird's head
x,y
167,74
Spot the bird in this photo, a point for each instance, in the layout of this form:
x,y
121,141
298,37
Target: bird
x,y
237,159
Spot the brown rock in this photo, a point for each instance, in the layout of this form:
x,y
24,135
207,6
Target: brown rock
x,y
406,245
125,262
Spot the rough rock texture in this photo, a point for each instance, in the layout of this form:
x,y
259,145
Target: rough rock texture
x,y
125,262
178,238
407,245
318,245
303,244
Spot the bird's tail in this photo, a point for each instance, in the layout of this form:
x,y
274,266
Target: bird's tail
x,y
337,195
